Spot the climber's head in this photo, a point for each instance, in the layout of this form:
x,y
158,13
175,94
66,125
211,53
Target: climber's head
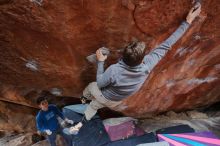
x,y
133,54
42,102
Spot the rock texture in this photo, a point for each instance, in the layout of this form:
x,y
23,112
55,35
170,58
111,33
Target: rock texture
x,y
15,118
26,140
198,121
43,45
16,140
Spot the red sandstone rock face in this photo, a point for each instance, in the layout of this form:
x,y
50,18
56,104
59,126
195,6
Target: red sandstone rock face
x,y
15,118
43,46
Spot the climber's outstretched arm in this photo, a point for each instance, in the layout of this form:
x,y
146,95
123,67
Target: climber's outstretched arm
x,y
158,53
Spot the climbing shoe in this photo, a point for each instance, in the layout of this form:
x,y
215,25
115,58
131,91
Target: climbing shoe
x,y
83,99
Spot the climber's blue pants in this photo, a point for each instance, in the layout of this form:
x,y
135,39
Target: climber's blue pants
x,y
52,137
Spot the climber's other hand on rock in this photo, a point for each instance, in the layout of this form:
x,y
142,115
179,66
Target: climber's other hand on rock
x,y
193,13
100,56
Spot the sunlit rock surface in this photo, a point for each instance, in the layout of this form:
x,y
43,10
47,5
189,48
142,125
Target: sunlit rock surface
x,y
43,46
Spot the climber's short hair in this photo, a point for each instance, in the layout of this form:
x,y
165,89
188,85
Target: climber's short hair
x,y
133,54
43,96
40,99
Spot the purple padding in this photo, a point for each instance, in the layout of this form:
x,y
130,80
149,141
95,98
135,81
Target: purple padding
x,y
120,131
206,138
139,131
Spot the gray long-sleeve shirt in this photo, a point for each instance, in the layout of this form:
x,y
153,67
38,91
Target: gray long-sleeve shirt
x,y
120,80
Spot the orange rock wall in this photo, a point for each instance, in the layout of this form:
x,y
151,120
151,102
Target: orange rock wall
x,y
43,47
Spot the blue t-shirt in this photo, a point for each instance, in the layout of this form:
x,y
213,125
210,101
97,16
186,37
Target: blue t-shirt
x,y
48,119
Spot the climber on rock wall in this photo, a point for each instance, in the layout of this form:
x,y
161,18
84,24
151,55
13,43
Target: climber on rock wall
x,y
126,77
47,121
